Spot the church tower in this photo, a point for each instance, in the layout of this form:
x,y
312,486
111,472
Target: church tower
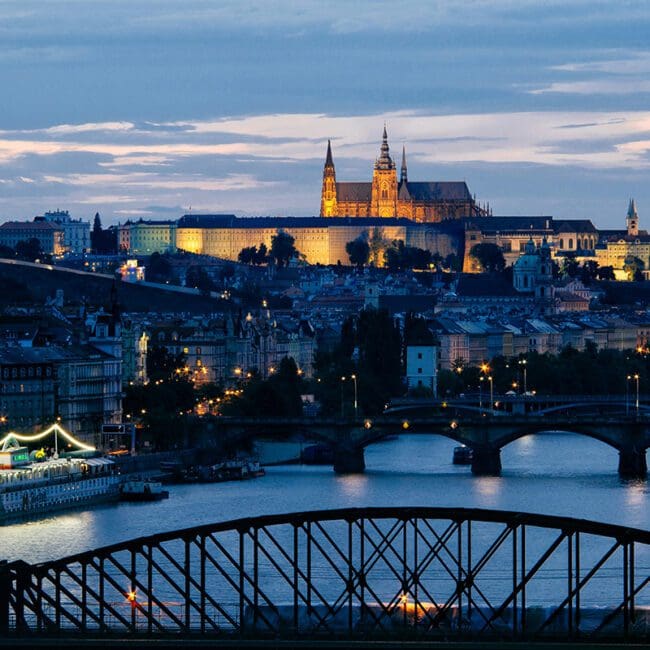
x,y
632,219
384,183
403,177
328,207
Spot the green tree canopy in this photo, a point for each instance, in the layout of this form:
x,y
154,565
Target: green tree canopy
x,y
358,251
489,257
282,248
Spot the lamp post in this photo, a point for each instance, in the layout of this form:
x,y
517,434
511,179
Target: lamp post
x,y
354,379
491,392
522,362
342,411
480,392
627,395
636,378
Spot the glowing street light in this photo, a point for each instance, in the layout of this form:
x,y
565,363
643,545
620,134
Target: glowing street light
x,y
636,378
491,392
522,363
354,379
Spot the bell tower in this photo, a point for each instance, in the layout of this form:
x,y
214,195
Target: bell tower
x,y
384,183
632,219
328,207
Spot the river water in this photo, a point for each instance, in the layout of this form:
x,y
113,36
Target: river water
x,y
552,473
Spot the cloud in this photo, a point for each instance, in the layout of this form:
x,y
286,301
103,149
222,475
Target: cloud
x,y
636,63
597,87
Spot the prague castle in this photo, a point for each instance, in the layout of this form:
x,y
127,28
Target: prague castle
x,y
386,197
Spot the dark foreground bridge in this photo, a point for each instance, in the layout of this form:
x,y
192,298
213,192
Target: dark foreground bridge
x,y
378,573
486,433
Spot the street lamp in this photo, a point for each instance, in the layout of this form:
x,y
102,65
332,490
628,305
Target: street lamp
x,y
480,392
635,376
354,379
342,382
491,392
522,363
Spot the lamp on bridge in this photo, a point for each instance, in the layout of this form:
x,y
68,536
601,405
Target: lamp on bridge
x,y
636,378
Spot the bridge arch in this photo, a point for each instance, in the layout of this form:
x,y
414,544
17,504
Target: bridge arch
x,y
355,573
539,428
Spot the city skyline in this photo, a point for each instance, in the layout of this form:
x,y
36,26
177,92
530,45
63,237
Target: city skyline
x,y
150,110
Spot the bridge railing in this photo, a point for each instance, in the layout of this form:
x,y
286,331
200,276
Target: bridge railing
x,y
430,573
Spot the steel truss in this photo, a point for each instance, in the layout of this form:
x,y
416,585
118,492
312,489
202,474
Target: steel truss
x,y
354,573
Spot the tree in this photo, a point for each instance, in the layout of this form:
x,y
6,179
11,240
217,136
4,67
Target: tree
x,y
570,266
282,248
588,272
606,273
633,267
489,257
358,251
96,240
262,255
29,250
158,269
378,243
247,255
162,364
197,277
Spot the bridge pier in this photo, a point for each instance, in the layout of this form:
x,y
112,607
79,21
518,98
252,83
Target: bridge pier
x,y
486,461
632,463
349,460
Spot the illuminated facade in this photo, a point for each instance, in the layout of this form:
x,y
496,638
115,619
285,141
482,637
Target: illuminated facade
x,y
387,197
619,249
318,240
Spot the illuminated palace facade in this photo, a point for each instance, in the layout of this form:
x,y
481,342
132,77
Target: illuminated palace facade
x,y
318,240
386,197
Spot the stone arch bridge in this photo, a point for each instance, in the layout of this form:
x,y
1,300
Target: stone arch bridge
x,y
485,433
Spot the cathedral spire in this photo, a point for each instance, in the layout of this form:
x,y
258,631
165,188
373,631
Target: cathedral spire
x,y
384,161
404,173
329,162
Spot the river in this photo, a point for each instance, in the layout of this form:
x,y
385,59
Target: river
x,y
552,473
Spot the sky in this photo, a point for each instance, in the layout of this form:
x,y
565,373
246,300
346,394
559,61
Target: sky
x,y
153,108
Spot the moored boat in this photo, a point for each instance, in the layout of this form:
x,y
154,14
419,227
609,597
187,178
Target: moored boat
x,y
137,489
463,455
33,484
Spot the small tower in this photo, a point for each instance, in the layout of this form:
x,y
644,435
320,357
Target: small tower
x,y
632,219
328,206
404,174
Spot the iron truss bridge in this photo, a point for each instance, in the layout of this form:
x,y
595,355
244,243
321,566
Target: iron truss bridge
x,y
372,573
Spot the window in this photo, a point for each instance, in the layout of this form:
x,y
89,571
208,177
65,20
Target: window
x,y
570,243
419,371
419,355
561,243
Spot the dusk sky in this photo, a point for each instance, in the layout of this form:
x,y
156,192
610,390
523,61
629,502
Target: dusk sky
x,y
145,108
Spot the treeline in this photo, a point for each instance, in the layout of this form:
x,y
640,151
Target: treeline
x,y
580,372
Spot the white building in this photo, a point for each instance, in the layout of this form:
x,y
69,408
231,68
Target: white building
x,y
422,367
76,233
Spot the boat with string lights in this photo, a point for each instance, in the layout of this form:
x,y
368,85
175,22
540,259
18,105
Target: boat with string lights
x,y
35,483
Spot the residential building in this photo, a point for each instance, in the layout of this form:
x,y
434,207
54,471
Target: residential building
x,y
422,367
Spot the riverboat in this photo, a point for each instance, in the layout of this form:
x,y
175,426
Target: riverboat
x,y
463,455
142,490
32,484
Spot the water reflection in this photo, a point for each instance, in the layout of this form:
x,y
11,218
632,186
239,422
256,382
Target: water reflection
x,y
553,473
488,489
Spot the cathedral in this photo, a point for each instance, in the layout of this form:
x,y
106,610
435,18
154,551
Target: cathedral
x,y
385,196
